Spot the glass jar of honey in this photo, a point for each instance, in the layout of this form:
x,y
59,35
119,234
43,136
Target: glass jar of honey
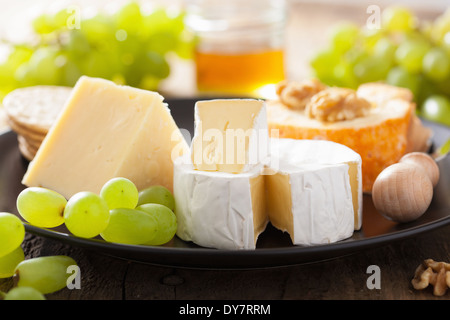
x,y
240,45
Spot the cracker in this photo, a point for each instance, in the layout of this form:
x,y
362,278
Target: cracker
x,y
27,144
28,154
37,107
25,132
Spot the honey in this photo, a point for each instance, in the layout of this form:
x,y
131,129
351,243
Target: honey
x,y
238,73
240,44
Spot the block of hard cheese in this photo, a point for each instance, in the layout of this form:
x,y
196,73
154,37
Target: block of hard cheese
x,y
104,131
230,135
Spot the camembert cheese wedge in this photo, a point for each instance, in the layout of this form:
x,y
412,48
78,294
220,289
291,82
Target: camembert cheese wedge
x,y
315,184
105,131
230,135
219,209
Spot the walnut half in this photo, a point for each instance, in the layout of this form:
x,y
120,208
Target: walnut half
x,y
337,104
432,273
296,95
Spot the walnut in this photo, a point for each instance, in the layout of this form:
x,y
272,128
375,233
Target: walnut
x,y
337,104
296,95
435,273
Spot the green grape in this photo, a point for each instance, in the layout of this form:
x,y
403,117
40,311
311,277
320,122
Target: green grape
x,y
96,64
151,63
446,42
343,73
120,193
129,226
372,69
129,18
41,207
323,63
410,53
19,55
436,64
98,29
157,194
45,274
42,66
162,42
6,75
9,262
158,22
397,18
24,293
370,37
12,233
77,45
437,108
86,214
441,27
166,222
385,49
61,18
425,89
43,24
399,77
70,73
344,36
444,149
185,47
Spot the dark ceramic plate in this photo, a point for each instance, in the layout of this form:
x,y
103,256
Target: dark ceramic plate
x,y
273,248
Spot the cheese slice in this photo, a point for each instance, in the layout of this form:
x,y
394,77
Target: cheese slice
x,y
219,209
230,135
313,203
298,154
105,131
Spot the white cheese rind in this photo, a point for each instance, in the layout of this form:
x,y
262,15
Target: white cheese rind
x,y
298,153
322,205
214,209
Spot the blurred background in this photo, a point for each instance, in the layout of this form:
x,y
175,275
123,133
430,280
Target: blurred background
x,y
193,48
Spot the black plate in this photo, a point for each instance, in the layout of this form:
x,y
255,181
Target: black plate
x,y
273,248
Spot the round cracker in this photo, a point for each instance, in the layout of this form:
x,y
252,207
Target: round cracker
x,y
24,131
30,145
28,154
37,107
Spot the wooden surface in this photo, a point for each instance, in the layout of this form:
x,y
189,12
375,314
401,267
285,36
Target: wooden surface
x,y
107,278
345,278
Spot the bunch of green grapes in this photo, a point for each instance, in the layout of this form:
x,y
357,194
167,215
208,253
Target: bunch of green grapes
x,y
119,213
128,47
402,52
35,277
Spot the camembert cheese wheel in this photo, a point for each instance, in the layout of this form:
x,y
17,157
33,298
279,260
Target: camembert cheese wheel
x,y
310,189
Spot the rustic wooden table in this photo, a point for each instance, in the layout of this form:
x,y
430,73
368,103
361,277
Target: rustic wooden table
x,y
344,278
108,278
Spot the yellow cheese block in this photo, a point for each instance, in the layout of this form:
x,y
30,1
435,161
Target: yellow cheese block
x,y
381,137
105,131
